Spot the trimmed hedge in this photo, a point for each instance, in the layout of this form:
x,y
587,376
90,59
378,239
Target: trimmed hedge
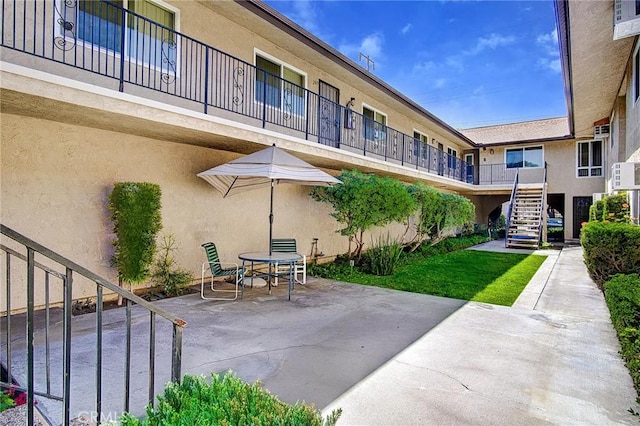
x,y
610,249
226,400
622,294
616,208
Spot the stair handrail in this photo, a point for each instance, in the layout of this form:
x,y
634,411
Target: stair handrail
x,y
27,242
542,230
510,209
71,267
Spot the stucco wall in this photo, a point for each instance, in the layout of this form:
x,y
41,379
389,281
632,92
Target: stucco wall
x,y
632,126
220,31
56,179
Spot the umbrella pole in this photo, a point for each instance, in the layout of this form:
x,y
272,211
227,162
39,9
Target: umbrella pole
x,y
271,217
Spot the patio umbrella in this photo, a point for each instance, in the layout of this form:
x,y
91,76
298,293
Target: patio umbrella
x,y
265,168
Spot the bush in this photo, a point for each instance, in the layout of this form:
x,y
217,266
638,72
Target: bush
x,y
615,208
227,400
595,211
166,273
610,249
622,294
383,257
451,244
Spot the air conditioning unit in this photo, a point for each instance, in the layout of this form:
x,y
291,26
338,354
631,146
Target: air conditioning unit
x,y
625,176
626,18
597,196
600,132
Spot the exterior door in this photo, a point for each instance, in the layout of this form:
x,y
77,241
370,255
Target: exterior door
x,y
580,213
329,115
440,159
468,159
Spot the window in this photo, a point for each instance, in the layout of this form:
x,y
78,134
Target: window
x,y
590,158
149,34
375,124
524,157
452,158
420,144
636,75
279,85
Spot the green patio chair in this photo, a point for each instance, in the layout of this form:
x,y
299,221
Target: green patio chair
x,y
288,245
217,269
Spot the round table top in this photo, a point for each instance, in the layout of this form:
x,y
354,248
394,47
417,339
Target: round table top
x,y
258,256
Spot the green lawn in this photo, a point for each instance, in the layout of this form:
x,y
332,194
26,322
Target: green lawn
x,y
496,278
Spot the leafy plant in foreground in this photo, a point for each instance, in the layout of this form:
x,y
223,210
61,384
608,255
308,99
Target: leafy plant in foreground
x,y
226,400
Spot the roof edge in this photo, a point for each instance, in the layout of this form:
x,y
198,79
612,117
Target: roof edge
x,y
561,8
528,141
279,20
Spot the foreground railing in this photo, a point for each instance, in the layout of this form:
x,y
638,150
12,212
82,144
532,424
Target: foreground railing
x,y
109,41
512,200
37,283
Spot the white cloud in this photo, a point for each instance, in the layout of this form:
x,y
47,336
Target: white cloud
x,y
423,67
370,45
548,42
404,30
439,83
548,63
492,42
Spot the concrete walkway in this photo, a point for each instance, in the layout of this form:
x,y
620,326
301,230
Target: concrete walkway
x,y
385,357
550,359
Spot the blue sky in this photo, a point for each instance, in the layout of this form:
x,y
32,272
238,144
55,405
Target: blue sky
x,y
471,63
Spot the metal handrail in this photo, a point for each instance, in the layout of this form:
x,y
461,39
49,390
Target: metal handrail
x,y
71,267
542,237
167,61
510,210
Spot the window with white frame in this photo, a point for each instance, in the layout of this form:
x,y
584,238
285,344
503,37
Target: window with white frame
x,y
530,156
375,124
590,158
149,34
279,85
452,158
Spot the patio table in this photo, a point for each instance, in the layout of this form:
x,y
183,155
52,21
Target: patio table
x,y
270,260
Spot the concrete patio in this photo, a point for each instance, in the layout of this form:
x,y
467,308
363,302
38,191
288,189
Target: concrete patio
x,y
386,357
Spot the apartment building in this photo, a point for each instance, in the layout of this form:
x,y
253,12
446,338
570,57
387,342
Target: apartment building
x,y
96,92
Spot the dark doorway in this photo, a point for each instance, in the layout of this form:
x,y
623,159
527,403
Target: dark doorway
x,y
555,217
329,114
440,159
580,213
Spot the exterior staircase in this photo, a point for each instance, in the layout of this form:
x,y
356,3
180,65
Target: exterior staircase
x,y
526,216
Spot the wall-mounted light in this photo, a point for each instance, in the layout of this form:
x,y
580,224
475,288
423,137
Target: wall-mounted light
x,y
491,151
351,103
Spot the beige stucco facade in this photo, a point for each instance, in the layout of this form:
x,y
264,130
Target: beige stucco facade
x,y
67,135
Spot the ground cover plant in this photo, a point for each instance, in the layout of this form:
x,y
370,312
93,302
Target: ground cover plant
x,y
225,400
447,270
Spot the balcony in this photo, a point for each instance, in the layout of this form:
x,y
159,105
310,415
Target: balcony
x,y
114,48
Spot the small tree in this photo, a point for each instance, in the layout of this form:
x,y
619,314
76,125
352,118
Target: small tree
x,y
364,201
135,213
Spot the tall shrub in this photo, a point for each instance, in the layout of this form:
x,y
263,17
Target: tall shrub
x,y
439,214
595,211
610,249
364,201
615,208
135,213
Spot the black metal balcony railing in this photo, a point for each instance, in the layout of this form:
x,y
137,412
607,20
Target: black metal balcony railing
x,y
103,38
37,352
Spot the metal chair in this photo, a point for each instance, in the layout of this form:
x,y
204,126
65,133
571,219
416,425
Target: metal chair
x,y
217,270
